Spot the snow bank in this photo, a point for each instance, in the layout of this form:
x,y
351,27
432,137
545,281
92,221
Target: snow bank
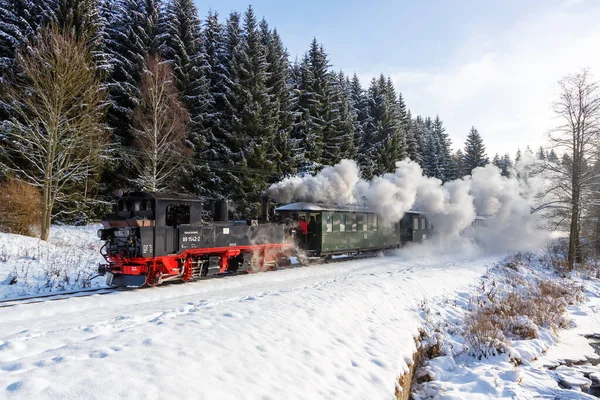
x,y
554,364
66,262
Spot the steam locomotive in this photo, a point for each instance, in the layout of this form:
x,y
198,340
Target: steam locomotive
x,y
152,238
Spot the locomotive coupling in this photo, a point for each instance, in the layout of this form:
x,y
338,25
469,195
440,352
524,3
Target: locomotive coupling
x,y
102,269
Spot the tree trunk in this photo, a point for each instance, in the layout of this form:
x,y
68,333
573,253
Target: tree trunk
x,y
46,213
574,253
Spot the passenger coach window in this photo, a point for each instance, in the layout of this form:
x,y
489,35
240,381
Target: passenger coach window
x,y
423,224
329,223
342,222
373,222
352,221
365,222
415,223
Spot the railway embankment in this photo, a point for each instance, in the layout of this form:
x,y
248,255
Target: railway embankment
x,y
522,332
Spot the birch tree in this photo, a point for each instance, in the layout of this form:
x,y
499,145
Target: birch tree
x,y
578,108
160,129
55,132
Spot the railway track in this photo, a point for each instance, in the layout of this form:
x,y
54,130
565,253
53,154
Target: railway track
x,y
58,296
15,301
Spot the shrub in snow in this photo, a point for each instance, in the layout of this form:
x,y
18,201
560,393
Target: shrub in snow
x,y
484,335
20,206
516,307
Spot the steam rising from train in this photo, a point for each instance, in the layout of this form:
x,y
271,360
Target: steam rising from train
x,y
451,207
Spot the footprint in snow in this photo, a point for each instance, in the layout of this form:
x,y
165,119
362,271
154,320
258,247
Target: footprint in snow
x,y
11,367
377,362
98,354
13,387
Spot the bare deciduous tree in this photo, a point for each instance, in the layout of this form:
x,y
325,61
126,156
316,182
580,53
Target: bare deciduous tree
x,y
55,132
578,108
160,128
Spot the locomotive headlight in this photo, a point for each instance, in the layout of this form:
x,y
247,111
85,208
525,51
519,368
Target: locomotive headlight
x,y
99,233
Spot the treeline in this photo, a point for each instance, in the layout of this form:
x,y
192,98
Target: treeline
x,y
213,107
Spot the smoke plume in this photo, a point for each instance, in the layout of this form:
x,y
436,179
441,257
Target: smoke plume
x,y
451,207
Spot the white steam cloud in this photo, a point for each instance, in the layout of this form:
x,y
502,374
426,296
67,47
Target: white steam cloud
x,y
451,207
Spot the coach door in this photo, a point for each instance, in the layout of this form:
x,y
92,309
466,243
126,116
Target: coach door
x,y
315,232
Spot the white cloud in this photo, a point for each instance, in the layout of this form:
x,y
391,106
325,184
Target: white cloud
x,y
505,86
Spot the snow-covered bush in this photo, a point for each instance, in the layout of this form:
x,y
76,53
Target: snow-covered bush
x,y
67,261
484,334
516,306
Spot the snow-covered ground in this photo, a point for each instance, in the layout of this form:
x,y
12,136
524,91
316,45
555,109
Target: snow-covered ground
x,y
341,330
552,364
29,266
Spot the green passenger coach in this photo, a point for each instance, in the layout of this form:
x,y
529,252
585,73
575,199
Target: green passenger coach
x,y
336,230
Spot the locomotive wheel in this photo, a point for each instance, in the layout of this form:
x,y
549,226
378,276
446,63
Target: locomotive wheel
x,y
235,263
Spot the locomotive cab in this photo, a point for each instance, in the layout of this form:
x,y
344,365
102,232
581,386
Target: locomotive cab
x,y
142,226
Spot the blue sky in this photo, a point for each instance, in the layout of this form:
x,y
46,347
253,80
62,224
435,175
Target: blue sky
x,y
492,64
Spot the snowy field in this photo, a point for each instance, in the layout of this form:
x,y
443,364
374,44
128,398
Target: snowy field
x,y
340,330
337,330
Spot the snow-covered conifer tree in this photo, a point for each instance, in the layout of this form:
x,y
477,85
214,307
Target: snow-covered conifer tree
x,y
474,152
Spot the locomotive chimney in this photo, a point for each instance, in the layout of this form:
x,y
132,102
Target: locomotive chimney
x,y
220,210
264,205
223,210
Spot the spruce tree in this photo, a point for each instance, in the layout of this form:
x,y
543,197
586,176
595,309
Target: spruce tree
x,y
217,121
420,132
398,120
20,20
281,102
386,140
444,154
552,157
312,109
431,154
506,163
182,48
497,161
346,117
541,154
363,126
88,20
431,148
413,146
233,151
459,164
132,38
474,152
253,131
